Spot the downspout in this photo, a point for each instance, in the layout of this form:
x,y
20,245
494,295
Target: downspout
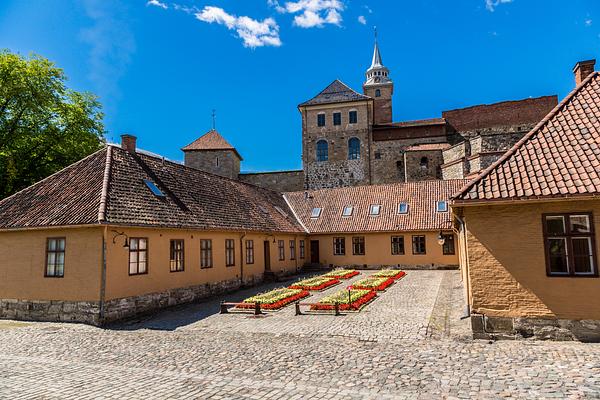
x,y
103,276
242,236
405,169
463,230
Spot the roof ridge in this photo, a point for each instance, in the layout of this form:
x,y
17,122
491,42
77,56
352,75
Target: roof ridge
x,y
379,185
105,182
55,173
525,138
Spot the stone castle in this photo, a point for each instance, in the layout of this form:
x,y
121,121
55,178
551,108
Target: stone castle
x,y
350,139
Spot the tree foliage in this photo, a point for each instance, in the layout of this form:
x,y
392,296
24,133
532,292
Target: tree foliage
x,y
44,126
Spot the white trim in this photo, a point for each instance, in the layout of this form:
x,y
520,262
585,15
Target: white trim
x,y
295,215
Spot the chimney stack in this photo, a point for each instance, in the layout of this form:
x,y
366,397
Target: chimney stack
x,y
128,142
582,70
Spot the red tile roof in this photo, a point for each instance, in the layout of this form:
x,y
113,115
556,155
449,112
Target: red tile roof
x,y
81,195
212,140
420,196
560,157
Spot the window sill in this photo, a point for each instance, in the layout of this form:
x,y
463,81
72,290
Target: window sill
x,y
572,276
177,270
54,276
206,267
139,273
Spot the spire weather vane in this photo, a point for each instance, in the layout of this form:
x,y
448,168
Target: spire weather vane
x,y
214,119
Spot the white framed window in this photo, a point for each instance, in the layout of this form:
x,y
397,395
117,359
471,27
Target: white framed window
x,y
316,212
441,206
347,211
375,209
403,208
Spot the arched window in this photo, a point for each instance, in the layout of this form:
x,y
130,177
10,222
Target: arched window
x,y
353,149
377,93
322,150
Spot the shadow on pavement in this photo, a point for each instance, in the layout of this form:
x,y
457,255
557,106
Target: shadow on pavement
x,y
171,318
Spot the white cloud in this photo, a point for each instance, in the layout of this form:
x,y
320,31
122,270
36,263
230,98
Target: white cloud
x,y
492,4
588,22
312,13
253,33
362,19
157,3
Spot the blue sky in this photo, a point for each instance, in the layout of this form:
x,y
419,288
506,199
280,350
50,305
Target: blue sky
x,y
160,67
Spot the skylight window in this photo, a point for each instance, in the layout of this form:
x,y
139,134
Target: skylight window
x,y
403,208
347,211
441,206
154,189
316,212
375,209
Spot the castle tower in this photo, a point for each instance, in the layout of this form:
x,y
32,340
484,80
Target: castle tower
x,y
212,153
380,87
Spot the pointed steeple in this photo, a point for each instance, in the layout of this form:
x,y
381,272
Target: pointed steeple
x,y
377,73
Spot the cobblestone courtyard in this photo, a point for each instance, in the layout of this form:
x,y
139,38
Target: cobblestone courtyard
x,y
409,343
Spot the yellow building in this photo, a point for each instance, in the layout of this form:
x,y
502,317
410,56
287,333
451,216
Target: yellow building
x,y
122,232
380,225
528,245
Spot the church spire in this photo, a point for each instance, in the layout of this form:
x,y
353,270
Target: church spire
x,y
377,73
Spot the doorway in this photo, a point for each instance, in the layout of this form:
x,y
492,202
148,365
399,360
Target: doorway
x,y
267,252
314,252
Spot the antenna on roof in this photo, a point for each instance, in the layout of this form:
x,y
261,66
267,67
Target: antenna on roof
x,y
214,119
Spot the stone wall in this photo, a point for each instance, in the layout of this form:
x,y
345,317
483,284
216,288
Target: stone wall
x,y
281,181
89,312
338,170
485,327
332,174
219,162
507,113
387,161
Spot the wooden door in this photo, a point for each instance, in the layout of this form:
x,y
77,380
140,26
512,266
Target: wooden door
x,y
314,252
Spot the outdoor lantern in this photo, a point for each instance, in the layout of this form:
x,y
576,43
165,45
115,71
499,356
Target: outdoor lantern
x,y
126,244
440,239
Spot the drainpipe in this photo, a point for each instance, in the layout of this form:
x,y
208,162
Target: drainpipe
x,y
242,236
405,169
463,230
103,275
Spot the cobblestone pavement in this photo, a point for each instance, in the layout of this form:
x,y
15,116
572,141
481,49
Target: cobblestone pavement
x,y
418,351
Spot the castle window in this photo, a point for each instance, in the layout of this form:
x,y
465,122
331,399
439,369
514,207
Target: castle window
x,y
347,211
339,246
206,259
216,161
322,150
377,155
316,212
419,244
377,93
177,255
321,119
337,118
403,208
353,117
154,189
424,162
353,149
441,206
374,209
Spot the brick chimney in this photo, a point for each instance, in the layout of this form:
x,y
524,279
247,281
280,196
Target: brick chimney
x,y
582,70
128,142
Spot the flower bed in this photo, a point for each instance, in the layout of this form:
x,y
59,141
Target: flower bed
x,y
317,283
389,273
358,298
341,273
275,299
373,283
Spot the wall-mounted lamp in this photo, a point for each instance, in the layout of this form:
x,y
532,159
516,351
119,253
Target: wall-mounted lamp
x,y
117,234
440,239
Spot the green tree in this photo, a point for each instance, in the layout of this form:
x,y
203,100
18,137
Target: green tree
x,y
44,126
